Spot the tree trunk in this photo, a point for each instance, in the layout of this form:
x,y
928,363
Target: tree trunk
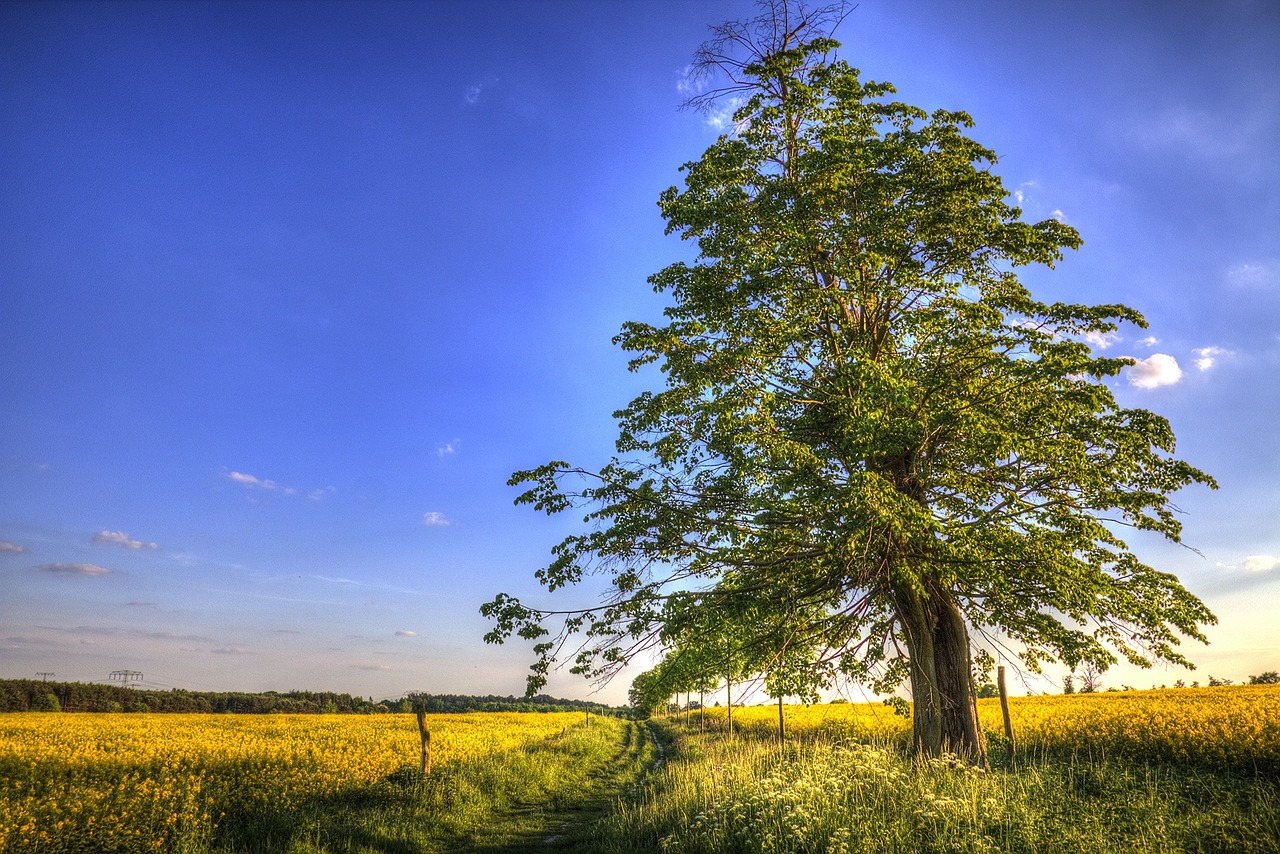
x,y
944,709
782,730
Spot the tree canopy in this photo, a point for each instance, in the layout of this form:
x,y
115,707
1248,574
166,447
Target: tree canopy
x,y
874,446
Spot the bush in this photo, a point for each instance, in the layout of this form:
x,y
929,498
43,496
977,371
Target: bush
x,y
45,702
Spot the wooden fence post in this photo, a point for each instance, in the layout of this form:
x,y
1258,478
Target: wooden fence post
x,y
728,694
1004,710
426,742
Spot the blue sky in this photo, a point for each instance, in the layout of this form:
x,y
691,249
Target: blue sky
x,y
287,291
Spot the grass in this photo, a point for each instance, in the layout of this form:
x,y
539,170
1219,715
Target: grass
x,y
748,794
1147,772
537,797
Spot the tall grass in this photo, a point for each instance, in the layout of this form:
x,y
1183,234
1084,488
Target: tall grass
x,y
815,794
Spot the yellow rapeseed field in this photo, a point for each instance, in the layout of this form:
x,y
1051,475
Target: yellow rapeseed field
x,y
1230,726
128,782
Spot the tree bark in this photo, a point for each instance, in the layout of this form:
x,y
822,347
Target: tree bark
x,y
944,709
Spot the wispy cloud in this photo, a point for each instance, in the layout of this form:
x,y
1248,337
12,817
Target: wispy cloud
x,y
720,116
690,82
231,650
374,667
475,92
435,519
1208,356
251,481
448,449
1149,341
1256,274
406,633
1226,138
7,547
88,570
332,580
121,538
1156,370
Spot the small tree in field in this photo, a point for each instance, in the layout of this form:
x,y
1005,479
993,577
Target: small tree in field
x,y
873,441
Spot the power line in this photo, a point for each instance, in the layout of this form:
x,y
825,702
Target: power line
x,y
126,676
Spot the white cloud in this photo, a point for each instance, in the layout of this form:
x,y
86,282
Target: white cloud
x,y
448,449
7,547
1102,340
121,538
1157,370
251,481
317,494
1261,563
85,569
1149,341
435,519
1208,356
406,633
1058,215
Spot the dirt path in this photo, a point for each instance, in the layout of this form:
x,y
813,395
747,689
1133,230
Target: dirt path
x,y
566,830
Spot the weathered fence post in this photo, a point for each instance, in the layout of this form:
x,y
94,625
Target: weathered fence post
x,y
426,741
1004,710
728,694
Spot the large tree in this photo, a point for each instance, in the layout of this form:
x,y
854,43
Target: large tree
x,y
873,440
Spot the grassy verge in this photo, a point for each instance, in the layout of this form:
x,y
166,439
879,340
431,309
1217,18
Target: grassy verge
x,y
749,795
533,798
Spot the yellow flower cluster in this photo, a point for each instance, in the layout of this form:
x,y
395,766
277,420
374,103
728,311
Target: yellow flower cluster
x,y
1228,726
80,782
1234,726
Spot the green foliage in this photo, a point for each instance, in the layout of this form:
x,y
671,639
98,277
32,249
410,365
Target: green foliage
x,y
46,702
872,438
1269,677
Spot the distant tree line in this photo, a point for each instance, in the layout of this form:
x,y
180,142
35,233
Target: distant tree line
x,y
454,703
34,695
1088,682
21,695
